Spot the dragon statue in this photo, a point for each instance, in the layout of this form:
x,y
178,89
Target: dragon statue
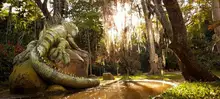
x,y
216,36
51,49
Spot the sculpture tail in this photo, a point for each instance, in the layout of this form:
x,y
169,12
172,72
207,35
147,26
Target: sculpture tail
x,y
53,75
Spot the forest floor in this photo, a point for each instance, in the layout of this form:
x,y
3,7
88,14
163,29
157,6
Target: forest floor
x,y
175,77
183,90
3,86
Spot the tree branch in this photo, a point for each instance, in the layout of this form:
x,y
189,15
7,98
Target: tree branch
x,y
43,8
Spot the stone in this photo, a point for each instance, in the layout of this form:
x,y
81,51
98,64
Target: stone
x,y
24,80
108,76
92,76
76,66
54,88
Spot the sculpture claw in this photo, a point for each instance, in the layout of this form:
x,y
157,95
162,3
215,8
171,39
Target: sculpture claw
x,y
59,55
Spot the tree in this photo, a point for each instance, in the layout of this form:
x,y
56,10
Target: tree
x,y
86,16
59,9
153,56
216,17
189,66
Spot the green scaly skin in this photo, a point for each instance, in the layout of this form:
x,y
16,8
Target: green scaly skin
x,y
38,54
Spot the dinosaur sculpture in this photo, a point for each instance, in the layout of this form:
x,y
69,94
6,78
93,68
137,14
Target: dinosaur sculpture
x,y
50,49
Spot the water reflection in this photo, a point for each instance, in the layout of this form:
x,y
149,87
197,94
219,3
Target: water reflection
x,y
114,90
122,90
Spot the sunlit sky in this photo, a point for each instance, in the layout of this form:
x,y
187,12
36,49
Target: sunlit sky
x,y
123,17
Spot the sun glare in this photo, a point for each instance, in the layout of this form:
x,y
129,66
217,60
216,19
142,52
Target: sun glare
x,y
121,25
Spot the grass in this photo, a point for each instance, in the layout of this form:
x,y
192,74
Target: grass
x,y
168,76
216,72
195,90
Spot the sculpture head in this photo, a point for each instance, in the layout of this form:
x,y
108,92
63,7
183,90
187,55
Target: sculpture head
x,y
70,27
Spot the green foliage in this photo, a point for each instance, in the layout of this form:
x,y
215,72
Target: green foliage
x,y
203,51
144,56
195,22
196,90
7,53
9,50
87,18
19,26
171,61
126,77
3,14
199,36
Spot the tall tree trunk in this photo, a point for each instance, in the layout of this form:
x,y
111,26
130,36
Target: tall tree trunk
x,y
43,8
59,8
90,53
216,17
153,56
8,24
167,34
161,15
190,68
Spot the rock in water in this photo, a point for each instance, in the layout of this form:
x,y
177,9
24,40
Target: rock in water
x,y
24,79
108,76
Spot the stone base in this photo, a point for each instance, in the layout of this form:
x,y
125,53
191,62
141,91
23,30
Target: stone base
x,y
108,76
24,79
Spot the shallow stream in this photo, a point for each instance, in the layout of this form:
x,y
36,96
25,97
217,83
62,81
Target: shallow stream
x,y
123,90
116,90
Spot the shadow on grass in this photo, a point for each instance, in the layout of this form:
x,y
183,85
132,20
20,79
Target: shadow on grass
x,y
167,76
216,72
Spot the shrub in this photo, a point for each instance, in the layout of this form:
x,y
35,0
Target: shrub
x,y
7,53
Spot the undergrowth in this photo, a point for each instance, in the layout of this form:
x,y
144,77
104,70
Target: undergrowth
x,y
195,90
